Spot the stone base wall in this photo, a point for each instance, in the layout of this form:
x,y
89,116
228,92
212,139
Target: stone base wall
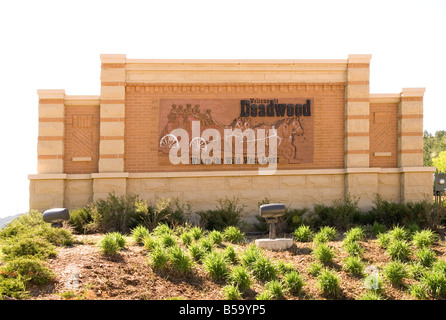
x,y
294,188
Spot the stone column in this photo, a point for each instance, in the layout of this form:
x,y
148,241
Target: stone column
x,y
112,115
50,142
48,185
360,181
416,181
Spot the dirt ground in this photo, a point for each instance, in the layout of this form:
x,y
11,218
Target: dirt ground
x,y
83,272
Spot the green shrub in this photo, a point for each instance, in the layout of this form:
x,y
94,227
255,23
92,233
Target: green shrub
x,y
196,232
284,267
13,288
320,237
240,277
388,213
116,213
167,240
197,252
328,282
216,237
435,281
398,233
354,234
294,217
342,213
417,270
315,268
264,295
294,282
399,250
250,255
373,282
233,234
263,269
139,233
384,240
231,292
149,216
216,265
22,224
57,236
186,238
353,248
150,243
227,213
28,247
418,291
331,232
323,253
303,234
377,228
159,258
426,256
440,266
354,265
424,238
206,244
80,219
28,269
180,260
276,289
395,272
162,229
371,295
111,243
230,254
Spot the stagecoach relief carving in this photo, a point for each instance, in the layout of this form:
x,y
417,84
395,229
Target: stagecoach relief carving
x,y
290,130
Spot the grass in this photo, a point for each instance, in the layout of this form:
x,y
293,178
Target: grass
x,y
328,282
216,265
324,253
303,234
395,272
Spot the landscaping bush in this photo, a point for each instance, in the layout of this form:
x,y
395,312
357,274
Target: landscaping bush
x,y
216,265
354,265
329,282
233,235
341,214
139,233
303,234
264,269
111,243
28,269
180,260
13,288
240,277
159,258
116,213
399,250
293,282
231,292
424,238
426,256
395,272
227,213
323,253
275,288
81,219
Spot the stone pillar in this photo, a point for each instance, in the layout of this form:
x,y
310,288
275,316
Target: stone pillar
x,y
357,111
48,185
410,128
111,147
111,176
50,144
358,181
416,181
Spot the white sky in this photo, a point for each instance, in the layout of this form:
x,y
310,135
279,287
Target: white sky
x,y
56,45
